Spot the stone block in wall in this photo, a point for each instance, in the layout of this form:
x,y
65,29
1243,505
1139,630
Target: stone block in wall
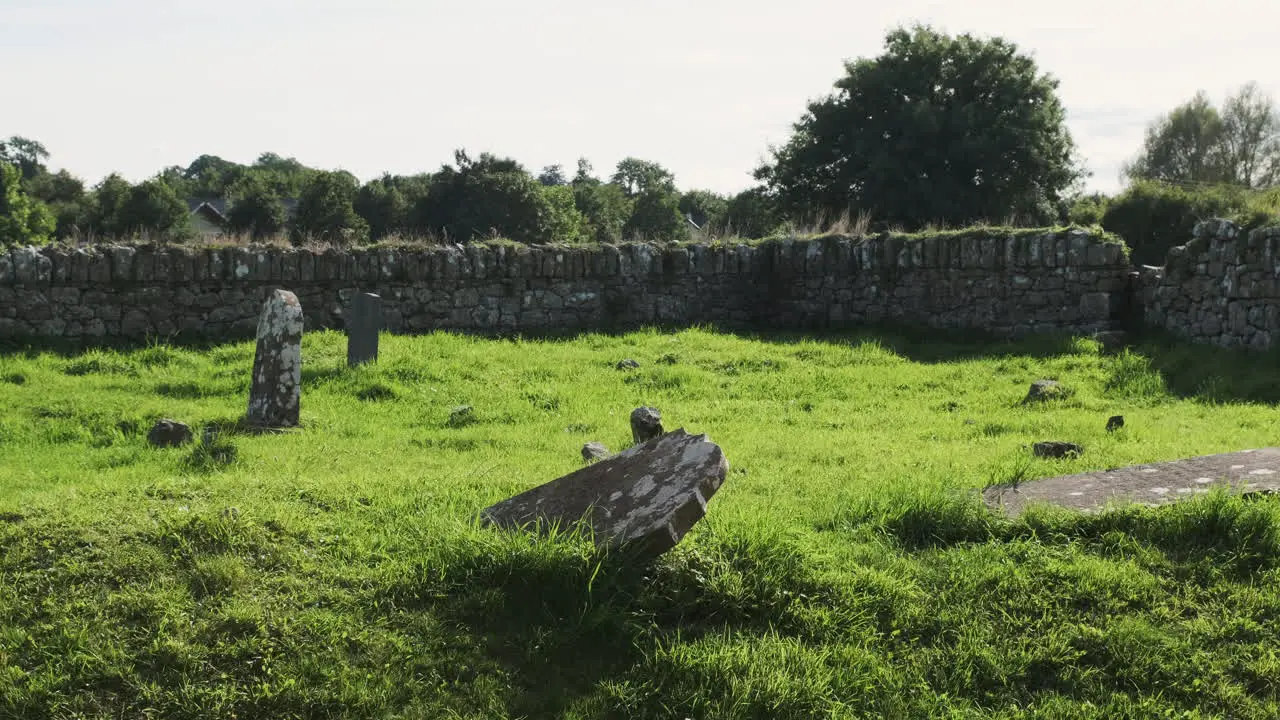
x,y
1215,229
1095,306
389,265
288,260
144,265
240,263
122,263
211,265
60,261
30,266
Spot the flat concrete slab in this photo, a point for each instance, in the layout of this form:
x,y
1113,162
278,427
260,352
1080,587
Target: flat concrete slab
x,y
1249,471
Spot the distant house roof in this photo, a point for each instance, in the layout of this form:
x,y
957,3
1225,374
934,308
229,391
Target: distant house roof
x,y
216,210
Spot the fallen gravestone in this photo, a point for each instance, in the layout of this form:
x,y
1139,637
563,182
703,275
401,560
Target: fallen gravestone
x,y
1247,471
363,322
646,424
169,433
1115,423
1056,449
645,498
1042,390
594,451
277,365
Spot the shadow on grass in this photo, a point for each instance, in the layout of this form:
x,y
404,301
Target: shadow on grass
x,y
1171,365
562,616
1234,534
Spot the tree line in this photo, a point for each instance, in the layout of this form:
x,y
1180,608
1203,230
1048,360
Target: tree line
x,y
937,130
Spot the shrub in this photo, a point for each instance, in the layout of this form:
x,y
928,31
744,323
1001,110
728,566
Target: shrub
x,y
23,220
1153,217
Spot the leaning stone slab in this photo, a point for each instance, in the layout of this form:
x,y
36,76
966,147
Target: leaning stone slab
x,y
645,498
1247,471
277,365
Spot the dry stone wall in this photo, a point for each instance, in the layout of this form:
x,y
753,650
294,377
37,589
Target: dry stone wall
x,y
1069,281
1221,288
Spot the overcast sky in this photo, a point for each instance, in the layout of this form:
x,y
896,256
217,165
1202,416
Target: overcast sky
x,y
700,86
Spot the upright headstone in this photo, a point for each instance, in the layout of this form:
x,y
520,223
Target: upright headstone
x,y
364,320
277,366
646,424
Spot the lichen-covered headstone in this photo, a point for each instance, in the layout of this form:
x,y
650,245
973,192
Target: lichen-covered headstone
x,y
645,498
277,365
646,424
363,322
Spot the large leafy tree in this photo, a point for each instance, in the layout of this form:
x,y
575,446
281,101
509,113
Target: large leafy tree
x,y
636,176
1251,138
1183,146
109,198
656,216
256,208
604,206
492,195
23,219
26,154
152,206
752,213
705,208
937,128
325,211
1198,143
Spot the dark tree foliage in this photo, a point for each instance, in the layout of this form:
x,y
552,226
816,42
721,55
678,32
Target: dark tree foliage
x,y
491,196
636,176
705,208
325,212
256,209
752,214
604,206
656,217
25,154
151,206
23,220
1198,144
936,129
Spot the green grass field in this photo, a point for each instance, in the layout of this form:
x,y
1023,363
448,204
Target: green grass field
x,y
846,569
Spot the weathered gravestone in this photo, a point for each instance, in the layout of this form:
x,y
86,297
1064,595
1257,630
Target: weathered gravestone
x,y
646,424
645,498
363,322
277,365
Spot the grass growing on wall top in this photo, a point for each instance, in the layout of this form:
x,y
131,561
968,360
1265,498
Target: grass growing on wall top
x,y
800,233
845,568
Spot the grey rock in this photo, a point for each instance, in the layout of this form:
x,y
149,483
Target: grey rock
x,y
627,364
644,499
275,395
461,416
594,451
1043,390
1056,449
646,424
169,433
